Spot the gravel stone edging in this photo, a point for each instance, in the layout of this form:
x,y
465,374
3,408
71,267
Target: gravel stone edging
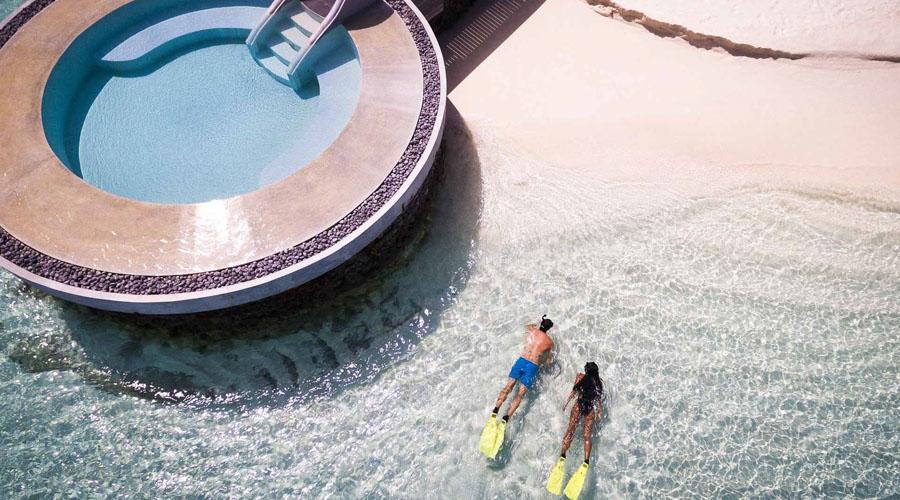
x,y
60,271
19,17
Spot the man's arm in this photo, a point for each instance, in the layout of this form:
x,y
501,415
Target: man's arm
x,y
528,329
549,356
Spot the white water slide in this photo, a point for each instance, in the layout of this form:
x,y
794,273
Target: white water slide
x,y
284,38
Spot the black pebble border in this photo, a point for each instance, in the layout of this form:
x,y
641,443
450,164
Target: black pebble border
x,y
20,18
48,267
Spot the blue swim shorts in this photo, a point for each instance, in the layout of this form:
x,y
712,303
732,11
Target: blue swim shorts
x,y
524,371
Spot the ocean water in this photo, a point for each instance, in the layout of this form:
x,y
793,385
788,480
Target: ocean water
x,y
748,337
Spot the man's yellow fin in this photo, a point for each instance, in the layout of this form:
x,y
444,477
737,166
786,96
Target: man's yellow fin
x,y
488,436
498,439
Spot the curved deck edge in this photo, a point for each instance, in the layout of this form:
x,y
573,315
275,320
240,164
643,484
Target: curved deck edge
x,y
153,43
275,274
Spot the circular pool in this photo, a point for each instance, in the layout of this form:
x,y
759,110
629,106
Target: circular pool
x,y
152,166
177,111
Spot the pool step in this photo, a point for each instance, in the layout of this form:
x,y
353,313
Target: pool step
x,y
286,38
306,21
275,67
284,52
295,37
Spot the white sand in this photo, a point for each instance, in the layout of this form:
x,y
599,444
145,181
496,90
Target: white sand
x,y
611,101
825,26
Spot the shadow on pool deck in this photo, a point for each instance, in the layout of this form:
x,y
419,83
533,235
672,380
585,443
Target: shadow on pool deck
x,y
339,331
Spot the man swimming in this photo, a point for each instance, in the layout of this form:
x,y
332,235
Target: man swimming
x,y
525,372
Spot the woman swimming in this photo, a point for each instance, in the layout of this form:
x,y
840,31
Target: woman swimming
x,y
589,389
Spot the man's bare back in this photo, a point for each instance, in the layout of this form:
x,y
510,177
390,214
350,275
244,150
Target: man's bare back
x,y
536,344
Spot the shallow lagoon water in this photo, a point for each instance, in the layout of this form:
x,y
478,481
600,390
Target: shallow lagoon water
x,y
748,337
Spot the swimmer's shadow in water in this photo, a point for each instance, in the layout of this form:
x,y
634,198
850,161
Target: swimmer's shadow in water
x,y
339,331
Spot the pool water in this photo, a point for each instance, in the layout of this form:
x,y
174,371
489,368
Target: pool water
x,y
747,336
204,122
8,6
209,124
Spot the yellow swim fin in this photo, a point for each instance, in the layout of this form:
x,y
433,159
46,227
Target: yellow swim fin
x,y
488,436
554,482
573,489
498,439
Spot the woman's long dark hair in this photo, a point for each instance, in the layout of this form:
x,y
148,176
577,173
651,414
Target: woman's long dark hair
x,y
591,385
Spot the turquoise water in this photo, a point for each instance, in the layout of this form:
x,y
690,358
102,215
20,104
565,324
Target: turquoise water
x,y
748,337
7,6
203,123
209,124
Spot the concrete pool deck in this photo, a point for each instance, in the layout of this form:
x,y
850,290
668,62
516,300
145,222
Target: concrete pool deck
x,y
89,246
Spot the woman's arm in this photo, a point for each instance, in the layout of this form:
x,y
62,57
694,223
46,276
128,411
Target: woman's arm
x,y
572,394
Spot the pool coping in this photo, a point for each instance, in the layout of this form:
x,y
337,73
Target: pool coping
x,y
234,285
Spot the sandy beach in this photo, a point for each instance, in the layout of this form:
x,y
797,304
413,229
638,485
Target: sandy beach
x,y
825,27
613,100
